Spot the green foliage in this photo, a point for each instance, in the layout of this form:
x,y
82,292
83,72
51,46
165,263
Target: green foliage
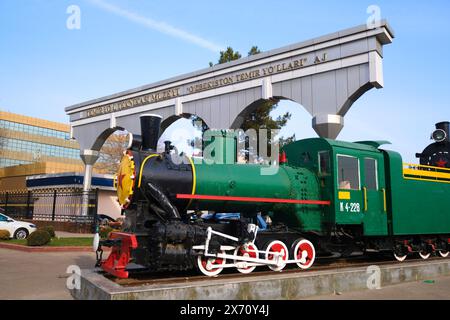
x,y
38,238
104,232
254,50
284,141
228,55
5,235
50,230
259,117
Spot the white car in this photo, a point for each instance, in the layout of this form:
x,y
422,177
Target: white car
x,y
17,229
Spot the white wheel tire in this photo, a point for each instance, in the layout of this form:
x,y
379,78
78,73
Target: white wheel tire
x,y
248,269
444,254
205,269
310,255
268,252
424,256
400,258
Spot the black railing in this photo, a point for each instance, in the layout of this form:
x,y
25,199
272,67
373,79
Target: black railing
x,y
51,205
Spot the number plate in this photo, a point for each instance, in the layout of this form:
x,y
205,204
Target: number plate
x,y
350,207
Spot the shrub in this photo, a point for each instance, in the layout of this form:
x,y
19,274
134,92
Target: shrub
x,y
5,235
104,232
38,238
50,230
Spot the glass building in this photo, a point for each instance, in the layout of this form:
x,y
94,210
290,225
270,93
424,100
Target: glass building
x,y
33,147
26,140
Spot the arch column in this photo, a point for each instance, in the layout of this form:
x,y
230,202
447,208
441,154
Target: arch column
x,y
89,157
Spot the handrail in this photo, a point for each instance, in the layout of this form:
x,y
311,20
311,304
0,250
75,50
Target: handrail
x,y
365,198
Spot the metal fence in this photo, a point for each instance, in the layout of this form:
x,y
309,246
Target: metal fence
x,y
51,205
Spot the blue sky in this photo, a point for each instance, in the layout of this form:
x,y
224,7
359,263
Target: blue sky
x,y
45,67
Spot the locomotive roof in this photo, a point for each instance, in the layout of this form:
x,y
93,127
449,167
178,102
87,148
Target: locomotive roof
x,y
360,145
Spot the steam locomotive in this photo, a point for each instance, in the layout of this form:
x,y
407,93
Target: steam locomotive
x,y
326,197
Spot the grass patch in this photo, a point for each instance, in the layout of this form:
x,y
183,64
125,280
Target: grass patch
x,y
57,242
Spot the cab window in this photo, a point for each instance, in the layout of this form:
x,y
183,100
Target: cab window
x,y
370,173
348,172
324,162
3,218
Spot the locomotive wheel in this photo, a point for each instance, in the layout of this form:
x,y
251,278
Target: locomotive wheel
x,y
444,254
304,251
424,255
277,246
210,266
400,257
247,250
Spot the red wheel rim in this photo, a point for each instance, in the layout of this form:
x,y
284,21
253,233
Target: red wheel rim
x,y
277,247
252,254
217,261
305,246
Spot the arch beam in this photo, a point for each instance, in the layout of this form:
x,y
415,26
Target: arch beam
x,y
325,75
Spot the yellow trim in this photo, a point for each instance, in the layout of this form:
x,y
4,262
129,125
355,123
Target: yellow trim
x,y
194,179
421,179
365,198
142,167
194,175
423,173
416,172
344,195
384,200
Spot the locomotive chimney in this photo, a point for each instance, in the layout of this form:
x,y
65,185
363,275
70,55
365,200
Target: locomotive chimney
x,y
445,126
150,125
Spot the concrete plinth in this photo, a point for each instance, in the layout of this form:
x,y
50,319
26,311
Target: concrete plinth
x,y
287,285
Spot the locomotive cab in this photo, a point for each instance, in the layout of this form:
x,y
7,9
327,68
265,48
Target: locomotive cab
x,y
352,177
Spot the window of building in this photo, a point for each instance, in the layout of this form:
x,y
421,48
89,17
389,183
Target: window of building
x,y
348,172
370,173
39,148
9,125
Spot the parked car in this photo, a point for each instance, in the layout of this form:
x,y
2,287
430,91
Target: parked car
x,y
17,229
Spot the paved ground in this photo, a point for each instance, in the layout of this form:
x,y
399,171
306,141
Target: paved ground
x,y
432,289
33,275
25,275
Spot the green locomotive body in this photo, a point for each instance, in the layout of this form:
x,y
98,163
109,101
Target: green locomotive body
x,y
325,197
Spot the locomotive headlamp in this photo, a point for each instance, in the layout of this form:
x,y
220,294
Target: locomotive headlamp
x,y
439,135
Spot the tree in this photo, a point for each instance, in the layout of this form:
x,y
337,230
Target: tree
x,y
285,141
111,153
254,50
228,55
260,117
